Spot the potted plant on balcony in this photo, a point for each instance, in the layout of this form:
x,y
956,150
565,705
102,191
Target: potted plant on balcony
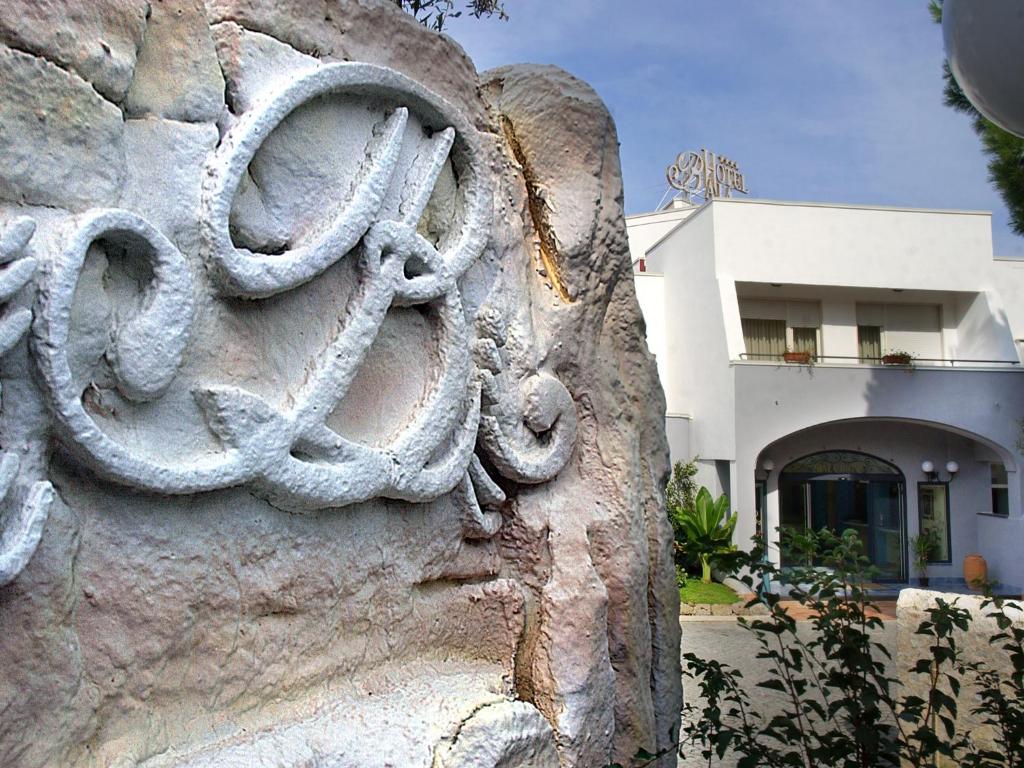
x,y
897,357
924,546
801,358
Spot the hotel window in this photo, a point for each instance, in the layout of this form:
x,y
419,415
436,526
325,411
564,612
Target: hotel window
x,y
869,343
885,328
764,339
933,513
806,340
1000,490
772,327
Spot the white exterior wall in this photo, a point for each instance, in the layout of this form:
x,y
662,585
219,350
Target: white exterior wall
x,y
699,383
1008,287
839,327
647,229
650,293
983,331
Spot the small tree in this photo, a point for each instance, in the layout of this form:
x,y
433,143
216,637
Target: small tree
x,y
681,491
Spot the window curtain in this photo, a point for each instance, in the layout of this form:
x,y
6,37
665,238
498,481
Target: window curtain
x,y
806,340
869,339
764,339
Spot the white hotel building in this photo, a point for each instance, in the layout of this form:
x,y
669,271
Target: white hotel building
x,y
844,441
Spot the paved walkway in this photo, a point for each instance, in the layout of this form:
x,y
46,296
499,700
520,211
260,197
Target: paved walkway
x,y
886,610
722,638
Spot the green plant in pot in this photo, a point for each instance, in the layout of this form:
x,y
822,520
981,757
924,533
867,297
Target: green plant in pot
x,y
707,532
924,546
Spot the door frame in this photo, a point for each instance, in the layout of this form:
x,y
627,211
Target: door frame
x,y
896,477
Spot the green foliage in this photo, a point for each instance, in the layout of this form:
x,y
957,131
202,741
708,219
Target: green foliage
x,y
434,13
1004,150
681,578
710,594
707,530
841,709
681,491
1000,703
924,546
680,494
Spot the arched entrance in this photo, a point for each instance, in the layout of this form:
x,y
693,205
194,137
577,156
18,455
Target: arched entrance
x,y
844,490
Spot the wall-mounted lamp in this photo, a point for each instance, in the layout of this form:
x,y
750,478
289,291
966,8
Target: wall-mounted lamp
x,y
767,465
929,469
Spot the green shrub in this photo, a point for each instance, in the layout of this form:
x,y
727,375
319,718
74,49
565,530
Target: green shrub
x,y
681,576
842,709
706,532
681,491
924,547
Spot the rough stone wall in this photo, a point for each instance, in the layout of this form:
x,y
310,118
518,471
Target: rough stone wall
x,y
329,434
975,646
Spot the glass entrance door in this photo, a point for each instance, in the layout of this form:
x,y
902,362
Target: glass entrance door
x,y
865,495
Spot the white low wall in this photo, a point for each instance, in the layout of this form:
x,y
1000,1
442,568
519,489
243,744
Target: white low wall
x,y
1000,539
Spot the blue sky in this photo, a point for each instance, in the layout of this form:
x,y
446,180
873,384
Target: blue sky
x,y
823,100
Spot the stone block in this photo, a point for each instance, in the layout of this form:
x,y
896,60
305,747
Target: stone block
x,y
98,40
61,144
975,646
342,478
177,75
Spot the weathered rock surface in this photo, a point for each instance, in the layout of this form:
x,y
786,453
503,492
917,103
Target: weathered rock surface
x,y
177,75
97,40
61,144
340,431
975,645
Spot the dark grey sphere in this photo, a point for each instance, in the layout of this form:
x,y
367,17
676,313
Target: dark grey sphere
x,y
984,42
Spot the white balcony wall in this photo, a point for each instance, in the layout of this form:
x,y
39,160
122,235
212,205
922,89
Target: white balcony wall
x,y
1007,287
983,331
817,244
930,324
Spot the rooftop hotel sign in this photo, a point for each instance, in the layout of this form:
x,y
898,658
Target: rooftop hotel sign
x,y
705,174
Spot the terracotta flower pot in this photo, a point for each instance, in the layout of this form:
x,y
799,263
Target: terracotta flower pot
x,y
975,571
797,357
897,358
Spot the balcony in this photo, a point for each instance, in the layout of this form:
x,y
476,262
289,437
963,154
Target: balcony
x,y
970,397
884,361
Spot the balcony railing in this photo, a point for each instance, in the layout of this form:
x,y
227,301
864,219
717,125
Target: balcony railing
x,y
850,359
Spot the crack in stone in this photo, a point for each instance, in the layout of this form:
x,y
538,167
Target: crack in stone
x,y
538,207
67,69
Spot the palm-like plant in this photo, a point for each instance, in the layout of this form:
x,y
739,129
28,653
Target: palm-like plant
x,y
707,530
